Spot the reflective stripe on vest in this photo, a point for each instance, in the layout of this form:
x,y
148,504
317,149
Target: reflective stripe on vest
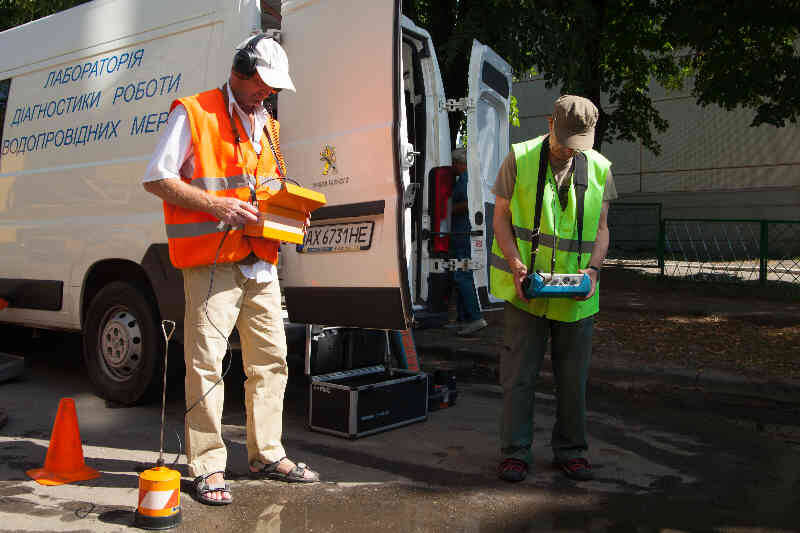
x,y
565,246
192,229
220,184
221,168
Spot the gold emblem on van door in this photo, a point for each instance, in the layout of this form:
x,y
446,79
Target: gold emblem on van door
x,y
328,156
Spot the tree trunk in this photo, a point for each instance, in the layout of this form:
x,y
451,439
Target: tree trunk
x,y
594,80
444,20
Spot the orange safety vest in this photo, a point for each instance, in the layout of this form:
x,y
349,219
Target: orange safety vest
x,y
221,168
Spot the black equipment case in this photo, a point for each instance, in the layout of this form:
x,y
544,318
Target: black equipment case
x,y
361,401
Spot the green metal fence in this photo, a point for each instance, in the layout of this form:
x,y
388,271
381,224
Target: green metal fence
x,y
730,250
709,250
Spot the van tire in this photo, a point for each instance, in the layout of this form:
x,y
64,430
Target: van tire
x,y
122,343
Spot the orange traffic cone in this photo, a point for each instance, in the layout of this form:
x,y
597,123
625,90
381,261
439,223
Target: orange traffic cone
x,y
64,462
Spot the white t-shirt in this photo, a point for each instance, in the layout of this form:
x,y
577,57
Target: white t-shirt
x,y
174,156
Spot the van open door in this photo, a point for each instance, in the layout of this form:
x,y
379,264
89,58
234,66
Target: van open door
x,y
340,136
489,94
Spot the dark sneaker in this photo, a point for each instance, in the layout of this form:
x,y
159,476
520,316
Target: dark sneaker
x,y
578,469
513,470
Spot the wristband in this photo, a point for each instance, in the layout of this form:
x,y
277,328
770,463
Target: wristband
x,y
596,269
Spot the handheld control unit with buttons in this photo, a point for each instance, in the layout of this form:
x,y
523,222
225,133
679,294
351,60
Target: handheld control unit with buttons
x,y
540,285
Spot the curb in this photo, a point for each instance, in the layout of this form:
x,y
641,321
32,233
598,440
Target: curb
x,y
725,388
450,352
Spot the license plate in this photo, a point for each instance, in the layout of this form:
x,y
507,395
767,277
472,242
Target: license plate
x,y
346,237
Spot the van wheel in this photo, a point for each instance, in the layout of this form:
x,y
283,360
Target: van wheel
x,y
121,344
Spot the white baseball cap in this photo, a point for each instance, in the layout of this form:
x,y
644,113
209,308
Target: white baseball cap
x,y
272,64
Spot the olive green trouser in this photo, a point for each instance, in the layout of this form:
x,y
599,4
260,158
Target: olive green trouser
x,y
255,310
526,339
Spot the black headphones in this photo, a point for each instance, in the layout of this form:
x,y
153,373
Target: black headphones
x,y
244,62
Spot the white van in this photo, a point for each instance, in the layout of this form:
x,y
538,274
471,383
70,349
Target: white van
x,y
83,247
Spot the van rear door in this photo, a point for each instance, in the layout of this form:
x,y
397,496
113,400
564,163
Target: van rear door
x,y
489,94
340,136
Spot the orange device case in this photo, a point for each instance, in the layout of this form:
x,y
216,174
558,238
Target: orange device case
x,y
283,213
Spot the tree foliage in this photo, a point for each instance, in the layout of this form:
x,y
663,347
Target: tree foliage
x,y
16,12
609,51
737,52
743,53
453,24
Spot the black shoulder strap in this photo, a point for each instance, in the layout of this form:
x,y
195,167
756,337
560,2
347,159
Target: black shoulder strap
x,y
544,157
581,181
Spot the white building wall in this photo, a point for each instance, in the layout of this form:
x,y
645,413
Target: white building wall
x,y
712,163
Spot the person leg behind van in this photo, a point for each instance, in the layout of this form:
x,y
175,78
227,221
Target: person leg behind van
x,y
230,280
455,320
469,312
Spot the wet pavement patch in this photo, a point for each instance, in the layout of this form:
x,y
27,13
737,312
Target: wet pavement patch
x,y
12,489
121,517
13,505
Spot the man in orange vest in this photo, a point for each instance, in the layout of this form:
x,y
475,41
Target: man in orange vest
x,y
217,148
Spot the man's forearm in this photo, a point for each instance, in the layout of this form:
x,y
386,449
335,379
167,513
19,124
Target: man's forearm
x,y
176,192
230,210
505,240
600,247
602,240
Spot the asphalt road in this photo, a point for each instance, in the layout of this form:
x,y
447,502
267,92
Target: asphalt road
x,y
659,467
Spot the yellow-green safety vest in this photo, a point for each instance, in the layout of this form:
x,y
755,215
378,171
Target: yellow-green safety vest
x,y
565,237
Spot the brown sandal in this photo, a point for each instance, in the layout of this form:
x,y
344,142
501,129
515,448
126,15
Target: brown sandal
x,y
202,487
295,475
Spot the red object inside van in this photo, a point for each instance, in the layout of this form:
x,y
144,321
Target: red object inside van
x,y
442,180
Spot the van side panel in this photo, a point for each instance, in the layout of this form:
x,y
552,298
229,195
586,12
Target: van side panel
x,y
90,92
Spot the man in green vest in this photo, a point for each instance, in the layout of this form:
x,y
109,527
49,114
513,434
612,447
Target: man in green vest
x,y
577,184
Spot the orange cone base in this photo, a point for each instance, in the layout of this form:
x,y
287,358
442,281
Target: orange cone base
x,y
44,477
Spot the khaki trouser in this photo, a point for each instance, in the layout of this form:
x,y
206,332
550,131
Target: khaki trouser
x,y
255,310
